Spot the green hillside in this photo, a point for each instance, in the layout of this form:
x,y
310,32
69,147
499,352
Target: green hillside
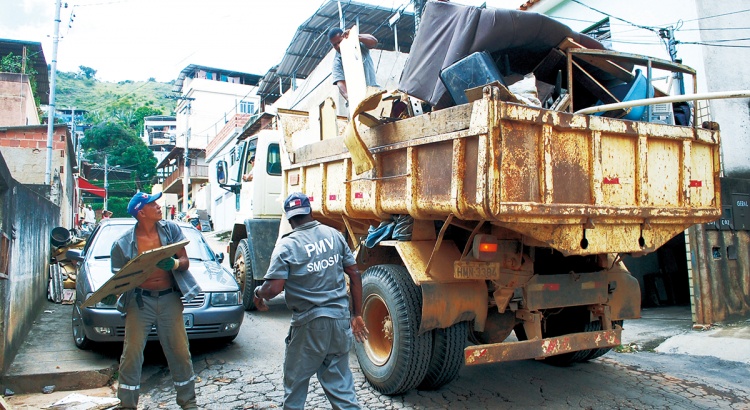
x,y
105,100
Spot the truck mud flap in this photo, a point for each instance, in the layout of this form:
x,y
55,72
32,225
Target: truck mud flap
x,y
261,239
541,348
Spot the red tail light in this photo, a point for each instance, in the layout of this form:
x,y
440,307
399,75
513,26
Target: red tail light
x,y
484,247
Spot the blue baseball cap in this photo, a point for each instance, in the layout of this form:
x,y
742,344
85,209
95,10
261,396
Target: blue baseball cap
x,y
297,204
139,200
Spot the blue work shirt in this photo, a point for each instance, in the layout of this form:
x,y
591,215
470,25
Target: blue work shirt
x,y
312,259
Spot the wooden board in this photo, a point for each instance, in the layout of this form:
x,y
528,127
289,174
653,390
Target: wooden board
x,y
361,157
135,272
354,70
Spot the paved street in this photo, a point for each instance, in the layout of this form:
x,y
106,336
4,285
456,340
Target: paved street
x,y
247,374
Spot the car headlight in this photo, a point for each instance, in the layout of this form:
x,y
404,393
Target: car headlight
x,y
101,304
225,298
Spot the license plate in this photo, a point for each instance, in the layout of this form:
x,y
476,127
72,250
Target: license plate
x,y
188,319
476,270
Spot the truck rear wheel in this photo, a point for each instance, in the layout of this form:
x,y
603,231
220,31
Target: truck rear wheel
x,y
596,353
447,356
243,273
394,358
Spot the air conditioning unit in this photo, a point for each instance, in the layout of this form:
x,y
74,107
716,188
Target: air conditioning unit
x,y
662,114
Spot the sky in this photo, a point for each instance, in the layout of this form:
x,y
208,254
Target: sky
x,y
140,39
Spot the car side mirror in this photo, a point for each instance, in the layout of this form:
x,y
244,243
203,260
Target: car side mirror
x,y
221,172
220,257
74,254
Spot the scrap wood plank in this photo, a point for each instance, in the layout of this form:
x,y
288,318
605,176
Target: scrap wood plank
x,y
135,272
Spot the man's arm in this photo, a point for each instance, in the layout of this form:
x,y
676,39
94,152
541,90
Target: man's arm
x,y
267,291
368,40
355,286
342,89
183,260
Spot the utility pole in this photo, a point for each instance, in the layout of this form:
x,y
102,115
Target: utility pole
x,y
106,183
186,173
668,34
52,85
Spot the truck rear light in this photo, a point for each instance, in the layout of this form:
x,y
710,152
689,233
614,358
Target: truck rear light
x,y
484,247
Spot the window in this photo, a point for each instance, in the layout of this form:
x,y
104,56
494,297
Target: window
x,y
247,107
273,160
232,155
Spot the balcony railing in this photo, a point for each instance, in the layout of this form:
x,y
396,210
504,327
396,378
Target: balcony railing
x,y
196,172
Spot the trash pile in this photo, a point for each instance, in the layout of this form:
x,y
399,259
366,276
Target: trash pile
x,y
62,271
532,59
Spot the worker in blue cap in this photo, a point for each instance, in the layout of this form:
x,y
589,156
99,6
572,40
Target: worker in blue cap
x,y
154,302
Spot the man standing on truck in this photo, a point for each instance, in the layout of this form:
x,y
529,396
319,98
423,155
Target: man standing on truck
x,y
310,263
366,42
155,302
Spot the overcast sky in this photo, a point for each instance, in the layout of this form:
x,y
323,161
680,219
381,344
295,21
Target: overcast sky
x,y
139,39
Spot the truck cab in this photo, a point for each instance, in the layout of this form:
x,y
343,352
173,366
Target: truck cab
x,y
257,205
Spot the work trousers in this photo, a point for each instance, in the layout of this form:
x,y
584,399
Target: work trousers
x,y
320,347
166,313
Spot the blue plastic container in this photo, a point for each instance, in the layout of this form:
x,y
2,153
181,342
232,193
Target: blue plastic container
x,y
474,70
637,89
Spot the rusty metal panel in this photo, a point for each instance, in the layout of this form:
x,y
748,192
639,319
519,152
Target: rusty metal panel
x,y
721,286
701,181
334,190
618,155
663,173
445,300
581,184
520,162
577,289
571,176
541,348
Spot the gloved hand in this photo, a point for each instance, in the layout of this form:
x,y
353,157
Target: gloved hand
x,y
168,264
109,300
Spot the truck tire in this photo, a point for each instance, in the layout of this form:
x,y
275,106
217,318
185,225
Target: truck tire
x,y
395,357
243,273
447,356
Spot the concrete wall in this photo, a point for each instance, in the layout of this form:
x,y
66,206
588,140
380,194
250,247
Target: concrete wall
x,y
17,105
25,153
26,220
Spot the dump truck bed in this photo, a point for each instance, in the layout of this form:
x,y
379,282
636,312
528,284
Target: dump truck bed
x,y
577,183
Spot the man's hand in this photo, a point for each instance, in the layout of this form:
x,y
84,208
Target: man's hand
x,y
109,300
168,264
258,301
359,329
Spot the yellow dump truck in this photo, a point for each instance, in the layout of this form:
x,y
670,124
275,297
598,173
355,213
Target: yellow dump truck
x,y
520,217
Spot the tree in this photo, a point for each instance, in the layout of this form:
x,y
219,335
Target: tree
x,y
87,72
136,122
122,147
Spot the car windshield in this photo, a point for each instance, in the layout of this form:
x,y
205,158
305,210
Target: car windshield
x,y
197,249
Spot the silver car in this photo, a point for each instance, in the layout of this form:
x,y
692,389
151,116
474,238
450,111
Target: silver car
x,y
216,313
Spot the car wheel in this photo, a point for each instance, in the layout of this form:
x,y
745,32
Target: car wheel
x,y
243,273
395,356
79,335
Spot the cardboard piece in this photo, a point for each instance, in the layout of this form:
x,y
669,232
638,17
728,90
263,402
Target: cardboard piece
x,y
362,159
135,272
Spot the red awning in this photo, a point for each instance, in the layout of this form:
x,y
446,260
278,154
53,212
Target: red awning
x,y
89,187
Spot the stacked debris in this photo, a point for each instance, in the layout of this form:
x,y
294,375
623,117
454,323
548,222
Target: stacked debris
x,y
62,271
